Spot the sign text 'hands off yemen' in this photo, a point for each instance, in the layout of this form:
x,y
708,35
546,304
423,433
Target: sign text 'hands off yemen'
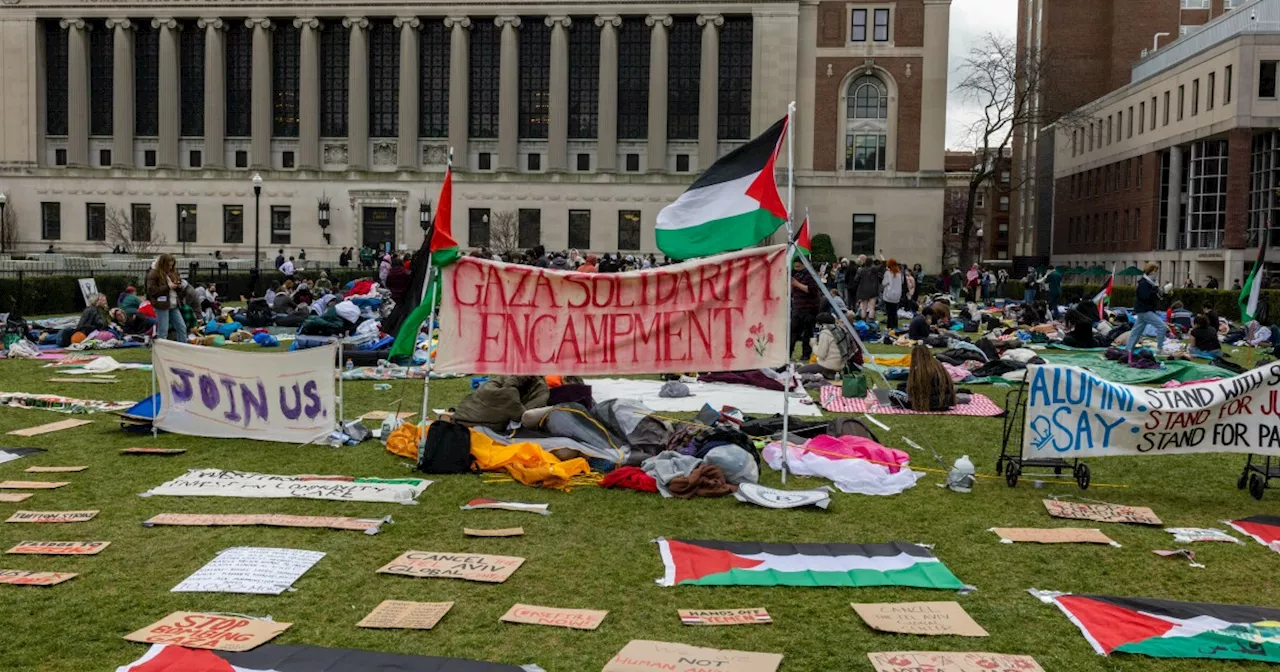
x,y
720,313
1072,412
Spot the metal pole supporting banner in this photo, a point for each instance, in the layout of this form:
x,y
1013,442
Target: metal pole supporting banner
x,y
790,375
341,369
432,273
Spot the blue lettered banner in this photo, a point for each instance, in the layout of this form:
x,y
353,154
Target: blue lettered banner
x,y
287,397
1073,413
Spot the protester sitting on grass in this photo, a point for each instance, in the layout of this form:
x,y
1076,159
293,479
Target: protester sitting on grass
x,y
832,347
129,301
1079,321
1204,339
929,321
94,317
929,387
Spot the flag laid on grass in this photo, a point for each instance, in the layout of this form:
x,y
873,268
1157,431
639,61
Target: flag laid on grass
x,y
1264,529
735,563
442,250
1252,288
1167,629
733,205
277,658
1103,298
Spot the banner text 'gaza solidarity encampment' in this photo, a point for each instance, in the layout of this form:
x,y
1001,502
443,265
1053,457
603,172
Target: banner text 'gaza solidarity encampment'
x,y
722,313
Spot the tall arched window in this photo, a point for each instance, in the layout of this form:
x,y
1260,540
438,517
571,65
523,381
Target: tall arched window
x,y
866,124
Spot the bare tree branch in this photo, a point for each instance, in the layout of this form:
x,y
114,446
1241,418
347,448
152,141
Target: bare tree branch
x,y
504,231
130,237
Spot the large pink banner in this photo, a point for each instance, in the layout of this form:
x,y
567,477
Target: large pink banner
x,y
722,313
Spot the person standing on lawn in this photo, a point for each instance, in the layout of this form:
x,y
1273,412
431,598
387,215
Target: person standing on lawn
x,y
892,289
805,299
1053,280
162,290
1145,310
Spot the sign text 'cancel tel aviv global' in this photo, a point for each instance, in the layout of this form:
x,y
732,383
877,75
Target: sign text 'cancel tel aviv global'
x,y
1074,413
722,313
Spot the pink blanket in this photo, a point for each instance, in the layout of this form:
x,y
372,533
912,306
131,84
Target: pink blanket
x,y
842,447
978,405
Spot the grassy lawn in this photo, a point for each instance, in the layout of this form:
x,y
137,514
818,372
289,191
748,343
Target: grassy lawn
x,y
594,551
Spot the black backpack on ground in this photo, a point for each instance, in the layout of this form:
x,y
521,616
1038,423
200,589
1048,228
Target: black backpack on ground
x,y
850,427
448,449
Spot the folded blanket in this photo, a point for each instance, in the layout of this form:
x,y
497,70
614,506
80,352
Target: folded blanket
x,y
706,480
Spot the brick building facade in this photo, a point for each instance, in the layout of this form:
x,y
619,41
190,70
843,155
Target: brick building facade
x,y
1088,47
1181,166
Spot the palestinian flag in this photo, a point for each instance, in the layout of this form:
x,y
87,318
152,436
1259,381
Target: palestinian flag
x,y
803,246
733,205
1166,629
736,563
1264,529
1252,288
276,658
1103,298
438,249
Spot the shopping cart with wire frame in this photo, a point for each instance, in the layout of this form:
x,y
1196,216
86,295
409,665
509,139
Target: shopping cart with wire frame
x,y
1012,464
1257,475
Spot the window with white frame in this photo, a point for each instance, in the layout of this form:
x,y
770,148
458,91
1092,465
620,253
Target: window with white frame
x,y
1195,4
866,124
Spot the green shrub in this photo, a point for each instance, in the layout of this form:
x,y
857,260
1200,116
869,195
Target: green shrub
x,y
60,294
821,250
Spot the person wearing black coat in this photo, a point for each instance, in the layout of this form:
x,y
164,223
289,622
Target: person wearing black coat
x,y
1145,310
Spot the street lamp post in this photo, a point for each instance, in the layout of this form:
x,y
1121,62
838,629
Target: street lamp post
x,y
3,200
257,230
182,229
424,214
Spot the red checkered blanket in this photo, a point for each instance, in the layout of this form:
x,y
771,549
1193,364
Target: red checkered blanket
x,y
978,405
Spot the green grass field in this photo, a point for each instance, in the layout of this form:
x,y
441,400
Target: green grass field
x,y
594,551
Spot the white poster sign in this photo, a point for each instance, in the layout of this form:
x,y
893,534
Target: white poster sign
x,y
88,288
1073,413
224,483
287,397
246,569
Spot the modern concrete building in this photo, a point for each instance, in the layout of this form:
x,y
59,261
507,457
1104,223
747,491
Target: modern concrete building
x,y
1088,47
1180,166
583,118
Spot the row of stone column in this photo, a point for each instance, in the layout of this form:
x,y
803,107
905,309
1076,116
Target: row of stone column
x,y
358,98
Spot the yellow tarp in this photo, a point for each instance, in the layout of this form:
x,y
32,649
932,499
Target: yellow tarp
x,y
527,463
903,360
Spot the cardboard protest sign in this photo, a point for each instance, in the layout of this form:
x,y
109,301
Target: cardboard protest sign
x,y
722,313
31,485
51,516
287,396
725,617
436,565
58,547
209,631
1103,513
920,618
366,525
13,497
1187,535
504,532
88,288
643,656
401,615
937,661
1072,413
50,427
379,416
576,619
99,381
1051,535
246,569
527,507
225,483
153,451
53,470
18,577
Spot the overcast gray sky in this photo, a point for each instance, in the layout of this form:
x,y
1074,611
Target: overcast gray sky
x,y
970,19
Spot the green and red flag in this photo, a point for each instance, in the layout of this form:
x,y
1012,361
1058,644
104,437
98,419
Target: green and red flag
x,y
1264,529
737,563
439,249
803,246
733,205
1252,289
1168,629
1103,298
